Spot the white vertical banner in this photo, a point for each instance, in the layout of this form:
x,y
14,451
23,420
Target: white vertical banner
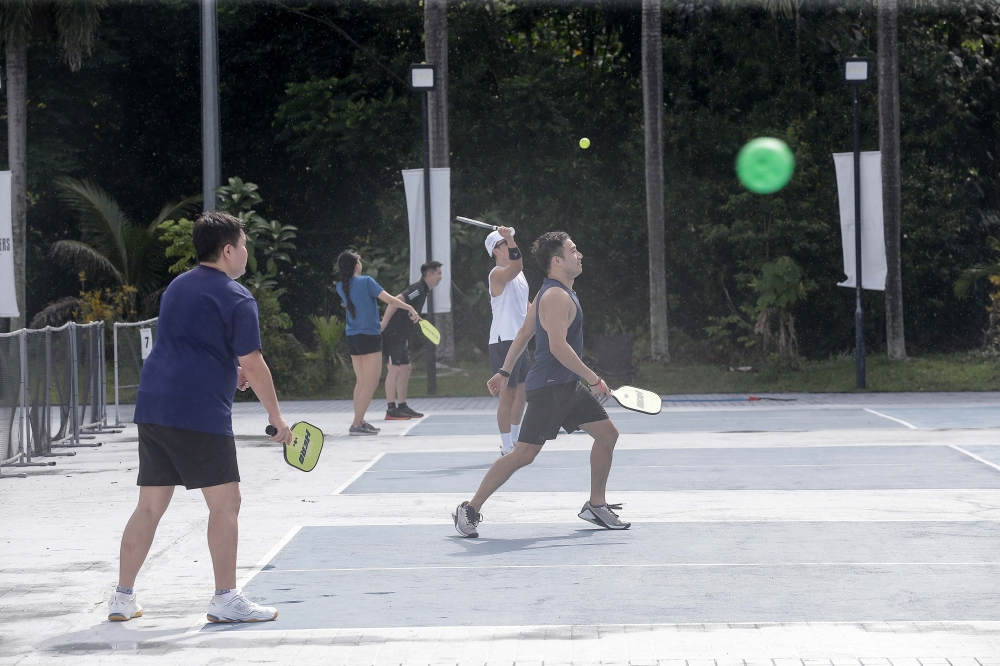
x,y
873,263
8,295
413,182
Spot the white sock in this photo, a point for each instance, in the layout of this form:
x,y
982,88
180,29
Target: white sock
x,y
225,595
515,432
505,438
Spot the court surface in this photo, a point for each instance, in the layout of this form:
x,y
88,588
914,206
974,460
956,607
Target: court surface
x,y
834,529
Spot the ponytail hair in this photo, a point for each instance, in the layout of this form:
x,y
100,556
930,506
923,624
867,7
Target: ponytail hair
x,y
346,263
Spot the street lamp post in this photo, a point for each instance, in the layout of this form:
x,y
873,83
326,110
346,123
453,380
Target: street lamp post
x,y
856,73
422,80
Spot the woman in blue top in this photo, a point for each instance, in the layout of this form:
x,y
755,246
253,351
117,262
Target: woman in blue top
x,y
361,294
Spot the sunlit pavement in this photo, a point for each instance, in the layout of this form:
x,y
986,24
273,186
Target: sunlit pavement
x,y
832,529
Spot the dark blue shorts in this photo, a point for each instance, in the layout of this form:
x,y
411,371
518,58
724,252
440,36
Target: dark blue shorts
x,y
498,354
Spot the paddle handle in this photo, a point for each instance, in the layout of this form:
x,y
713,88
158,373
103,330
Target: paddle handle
x,y
271,430
477,223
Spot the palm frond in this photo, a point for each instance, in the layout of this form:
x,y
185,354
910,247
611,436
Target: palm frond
x,y
17,22
57,312
76,24
81,256
174,210
104,222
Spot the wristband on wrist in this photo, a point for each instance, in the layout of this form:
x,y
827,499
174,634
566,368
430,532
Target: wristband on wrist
x,y
503,373
597,383
513,253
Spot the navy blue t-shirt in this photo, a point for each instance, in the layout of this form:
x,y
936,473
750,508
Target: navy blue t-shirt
x,y
207,321
364,297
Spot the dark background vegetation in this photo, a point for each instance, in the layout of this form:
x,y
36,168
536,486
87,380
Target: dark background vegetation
x,y
324,133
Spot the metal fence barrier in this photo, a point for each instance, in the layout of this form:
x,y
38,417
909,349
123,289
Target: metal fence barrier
x,y
53,392
132,344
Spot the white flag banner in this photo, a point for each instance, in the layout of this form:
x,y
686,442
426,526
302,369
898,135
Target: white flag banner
x,y
873,264
8,295
413,182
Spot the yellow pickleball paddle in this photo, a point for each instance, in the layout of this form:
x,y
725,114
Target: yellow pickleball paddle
x,y
430,332
306,445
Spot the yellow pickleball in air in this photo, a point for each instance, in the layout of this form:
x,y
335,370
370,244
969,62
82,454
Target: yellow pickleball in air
x,y
585,143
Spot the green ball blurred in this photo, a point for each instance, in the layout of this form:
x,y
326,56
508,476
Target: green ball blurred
x,y
585,142
765,165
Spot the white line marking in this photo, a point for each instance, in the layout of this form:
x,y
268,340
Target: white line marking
x,y
892,418
413,425
270,555
358,474
974,456
643,566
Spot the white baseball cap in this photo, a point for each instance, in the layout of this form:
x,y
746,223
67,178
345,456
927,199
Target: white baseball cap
x,y
492,241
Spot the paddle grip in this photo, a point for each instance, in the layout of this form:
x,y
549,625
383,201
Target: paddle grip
x,y
271,430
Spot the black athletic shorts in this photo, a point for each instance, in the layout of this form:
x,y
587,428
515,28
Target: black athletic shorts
x,y
396,350
498,354
361,344
566,405
178,457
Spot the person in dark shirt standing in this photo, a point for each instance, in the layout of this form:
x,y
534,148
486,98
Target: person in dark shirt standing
x,y
207,346
396,331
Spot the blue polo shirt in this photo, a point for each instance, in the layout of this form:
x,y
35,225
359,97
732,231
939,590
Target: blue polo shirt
x,y
207,320
364,296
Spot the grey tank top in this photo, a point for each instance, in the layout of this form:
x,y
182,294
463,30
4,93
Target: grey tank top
x,y
547,370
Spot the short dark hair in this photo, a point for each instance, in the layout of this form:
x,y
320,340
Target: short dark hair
x,y
213,231
430,266
548,245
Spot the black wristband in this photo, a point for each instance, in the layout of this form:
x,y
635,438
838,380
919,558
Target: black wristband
x,y
513,253
503,373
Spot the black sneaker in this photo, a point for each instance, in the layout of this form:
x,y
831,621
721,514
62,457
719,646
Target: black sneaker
x,y
405,409
396,414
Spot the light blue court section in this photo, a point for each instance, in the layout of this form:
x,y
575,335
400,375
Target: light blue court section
x,y
806,468
701,420
947,417
548,574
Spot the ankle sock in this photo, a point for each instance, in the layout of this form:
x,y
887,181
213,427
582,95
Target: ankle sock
x,y
125,590
225,594
515,432
402,405
391,405
505,439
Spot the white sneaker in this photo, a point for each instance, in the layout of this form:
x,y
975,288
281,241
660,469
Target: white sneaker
x,y
239,609
123,607
603,516
504,449
467,520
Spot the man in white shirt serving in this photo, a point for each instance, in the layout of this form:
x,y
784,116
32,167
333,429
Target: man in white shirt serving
x,y
509,300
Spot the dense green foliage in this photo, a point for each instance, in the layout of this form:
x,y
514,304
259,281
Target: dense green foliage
x,y
324,132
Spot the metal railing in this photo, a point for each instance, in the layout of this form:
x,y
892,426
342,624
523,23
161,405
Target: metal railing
x,y
53,392
132,343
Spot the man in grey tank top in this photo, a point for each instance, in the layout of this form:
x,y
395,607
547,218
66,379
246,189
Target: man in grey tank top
x,y
556,397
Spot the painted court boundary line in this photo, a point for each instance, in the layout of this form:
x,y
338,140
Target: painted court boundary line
x,y
358,474
892,418
270,555
974,456
670,565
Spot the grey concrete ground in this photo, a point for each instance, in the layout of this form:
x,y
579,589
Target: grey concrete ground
x,y
836,529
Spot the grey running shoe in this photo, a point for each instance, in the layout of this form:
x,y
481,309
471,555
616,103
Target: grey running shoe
x,y
369,426
466,520
604,516
361,430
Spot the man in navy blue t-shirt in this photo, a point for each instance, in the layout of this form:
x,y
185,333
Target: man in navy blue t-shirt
x,y
207,346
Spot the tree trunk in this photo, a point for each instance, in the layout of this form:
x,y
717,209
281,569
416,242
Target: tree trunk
x,y
888,113
652,105
17,152
436,53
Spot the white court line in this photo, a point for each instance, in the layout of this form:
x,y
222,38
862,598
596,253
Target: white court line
x,y
270,555
358,474
892,418
413,425
665,565
974,456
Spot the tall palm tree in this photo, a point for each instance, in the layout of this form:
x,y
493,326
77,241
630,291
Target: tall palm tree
x,y
21,23
888,130
112,244
652,105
